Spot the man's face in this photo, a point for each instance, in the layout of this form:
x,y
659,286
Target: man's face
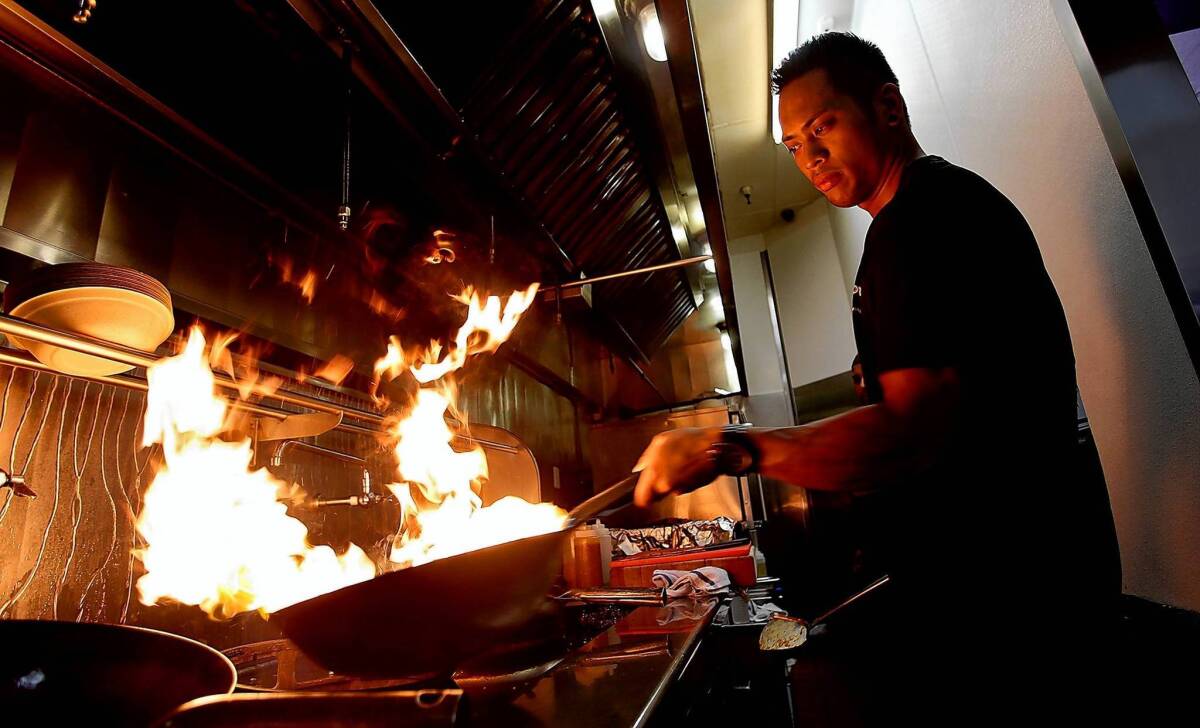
x,y
834,141
860,384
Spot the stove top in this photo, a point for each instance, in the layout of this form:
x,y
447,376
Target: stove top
x,y
603,665
278,666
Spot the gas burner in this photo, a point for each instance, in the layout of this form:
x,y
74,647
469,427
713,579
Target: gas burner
x,y
277,666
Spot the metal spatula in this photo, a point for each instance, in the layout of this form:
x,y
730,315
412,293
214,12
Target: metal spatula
x,y
785,633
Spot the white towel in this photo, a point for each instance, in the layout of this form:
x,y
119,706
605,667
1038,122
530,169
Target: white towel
x,y
705,581
684,609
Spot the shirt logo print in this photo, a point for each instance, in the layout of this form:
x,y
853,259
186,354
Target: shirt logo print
x,y
855,292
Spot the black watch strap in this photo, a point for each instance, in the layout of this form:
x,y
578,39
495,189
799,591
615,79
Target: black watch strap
x,y
735,453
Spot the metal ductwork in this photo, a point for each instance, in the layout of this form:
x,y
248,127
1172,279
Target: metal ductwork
x,y
540,106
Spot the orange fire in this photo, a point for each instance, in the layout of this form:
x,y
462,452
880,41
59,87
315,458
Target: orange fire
x,y
383,307
308,286
216,530
305,283
488,325
244,372
217,534
442,249
390,365
442,511
333,371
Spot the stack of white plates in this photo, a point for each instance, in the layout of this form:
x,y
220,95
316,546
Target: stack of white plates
x,y
107,302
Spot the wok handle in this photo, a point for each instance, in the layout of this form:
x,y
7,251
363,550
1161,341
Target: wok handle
x,y
614,494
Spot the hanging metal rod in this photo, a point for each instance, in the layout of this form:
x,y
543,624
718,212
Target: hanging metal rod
x,y
624,273
25,360
14,326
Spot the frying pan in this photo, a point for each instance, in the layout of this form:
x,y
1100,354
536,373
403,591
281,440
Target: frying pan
x,y
64,673
425,619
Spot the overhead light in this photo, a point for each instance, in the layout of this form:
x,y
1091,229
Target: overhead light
x,y
604,9
722,391
785,36
652,35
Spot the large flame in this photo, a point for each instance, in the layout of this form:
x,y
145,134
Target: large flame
x,y
217,534
216,530
442,512
488,325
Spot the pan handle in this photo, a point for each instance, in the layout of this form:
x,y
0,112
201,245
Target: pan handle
x,y
613,495
870,588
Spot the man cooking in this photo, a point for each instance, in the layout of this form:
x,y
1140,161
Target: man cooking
x,y
967,364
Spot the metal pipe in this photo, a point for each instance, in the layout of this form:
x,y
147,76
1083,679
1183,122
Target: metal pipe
x,y
352,500
343,214
624,273
490,444
365,497
685,403
359,429
85,344
24,360
281,450
14,326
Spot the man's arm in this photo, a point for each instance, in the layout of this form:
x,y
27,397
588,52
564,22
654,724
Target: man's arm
x,y
858,450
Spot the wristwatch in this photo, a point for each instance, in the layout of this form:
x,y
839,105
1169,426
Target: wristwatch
x,y
735,452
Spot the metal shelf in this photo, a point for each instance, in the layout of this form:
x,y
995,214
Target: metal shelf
x,y
370,423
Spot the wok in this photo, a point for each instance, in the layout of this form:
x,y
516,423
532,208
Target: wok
x,y
426,619
63,673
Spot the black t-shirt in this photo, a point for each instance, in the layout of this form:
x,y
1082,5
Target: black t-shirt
x,y
951,276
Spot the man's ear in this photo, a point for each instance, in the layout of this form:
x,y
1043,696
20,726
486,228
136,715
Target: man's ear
x,y
890,108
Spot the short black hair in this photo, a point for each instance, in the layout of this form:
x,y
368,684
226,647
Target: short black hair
x,y
856,66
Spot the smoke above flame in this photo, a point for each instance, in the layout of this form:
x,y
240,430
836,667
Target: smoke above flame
x,y
216,530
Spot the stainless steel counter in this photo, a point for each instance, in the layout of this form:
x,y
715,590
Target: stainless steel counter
x,y
617,679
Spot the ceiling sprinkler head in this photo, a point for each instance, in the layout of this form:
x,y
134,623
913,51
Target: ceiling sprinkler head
x,y
746,190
